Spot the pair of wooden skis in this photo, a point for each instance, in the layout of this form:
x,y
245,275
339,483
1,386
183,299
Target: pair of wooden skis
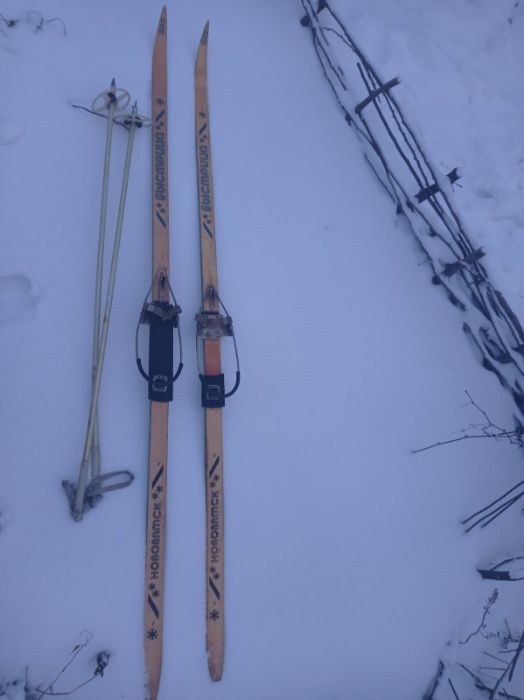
x,y
161,313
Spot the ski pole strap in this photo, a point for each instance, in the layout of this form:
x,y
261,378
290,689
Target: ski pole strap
x,y
111,481
97,487
136,120
212,325
162,317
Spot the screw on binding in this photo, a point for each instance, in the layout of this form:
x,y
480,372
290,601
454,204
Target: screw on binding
x,y
212,325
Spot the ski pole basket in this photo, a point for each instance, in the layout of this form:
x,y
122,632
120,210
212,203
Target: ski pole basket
x,y
115,98
212,325
162,318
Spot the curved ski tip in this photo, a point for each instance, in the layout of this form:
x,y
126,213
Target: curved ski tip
x,y
205,34
162,22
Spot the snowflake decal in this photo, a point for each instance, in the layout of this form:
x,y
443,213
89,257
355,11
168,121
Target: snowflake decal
x,y
214,615
152,634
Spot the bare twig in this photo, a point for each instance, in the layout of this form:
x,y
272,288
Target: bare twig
x,y
489,429
430,692
99,114
487,607
75,652
513,662
506,671
486,515
455,694
57,19
102,661
41,21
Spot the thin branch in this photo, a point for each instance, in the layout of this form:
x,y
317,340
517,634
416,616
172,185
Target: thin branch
x,y
450,442
76,651
68,692
489,429
453,689
513,662
487,607
99,114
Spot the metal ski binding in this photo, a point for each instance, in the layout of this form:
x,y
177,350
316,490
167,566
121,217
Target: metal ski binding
x,y
162,317
212,325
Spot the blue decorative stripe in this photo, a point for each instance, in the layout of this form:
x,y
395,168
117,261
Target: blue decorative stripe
x,y
157,477
153,607
214,466
214,588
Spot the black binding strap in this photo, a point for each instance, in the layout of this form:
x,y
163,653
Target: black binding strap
x,y
213,390
162,317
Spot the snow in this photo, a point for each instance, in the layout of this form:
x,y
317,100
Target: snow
x,y
347,570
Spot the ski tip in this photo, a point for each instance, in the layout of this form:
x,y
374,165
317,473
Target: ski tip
x,y
205,35
162,22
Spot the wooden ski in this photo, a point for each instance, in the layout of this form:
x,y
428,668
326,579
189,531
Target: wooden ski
x,y
211,326
161,316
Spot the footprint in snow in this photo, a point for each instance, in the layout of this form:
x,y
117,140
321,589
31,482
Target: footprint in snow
x,y
18,299
10,132
483,193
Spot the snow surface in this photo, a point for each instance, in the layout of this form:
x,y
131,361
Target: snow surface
x,y
347,570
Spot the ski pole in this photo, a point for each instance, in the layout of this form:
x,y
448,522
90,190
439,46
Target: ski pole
x,y
110,101
95,487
